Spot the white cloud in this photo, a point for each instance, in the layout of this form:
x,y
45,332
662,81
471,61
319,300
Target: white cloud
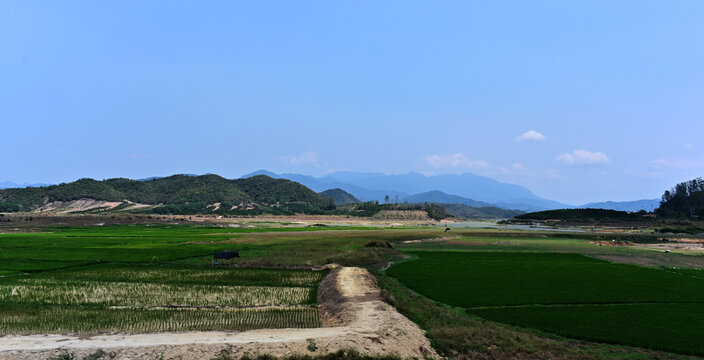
x,y
680,164
304,158
531,135
583,157
454,161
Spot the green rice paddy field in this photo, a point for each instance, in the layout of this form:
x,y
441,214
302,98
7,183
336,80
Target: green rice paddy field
x,y
145,278
141,278
567,294
149,278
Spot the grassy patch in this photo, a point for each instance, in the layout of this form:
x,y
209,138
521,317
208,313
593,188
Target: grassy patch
x,y
458,335
187,275
158,277
159,244
507,287
670,327
474,279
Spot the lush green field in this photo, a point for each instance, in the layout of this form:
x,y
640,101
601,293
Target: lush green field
x,y
140,278
187,275
567,294
674,327
68,247
193,244
159,277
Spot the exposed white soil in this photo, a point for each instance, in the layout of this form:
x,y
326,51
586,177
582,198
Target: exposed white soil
x,y
134,205
215,206
686,247
351,307
418,215
67,207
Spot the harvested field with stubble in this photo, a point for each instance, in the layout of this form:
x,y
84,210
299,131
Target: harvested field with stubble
x,y
350,296
87,320
147,295
148,298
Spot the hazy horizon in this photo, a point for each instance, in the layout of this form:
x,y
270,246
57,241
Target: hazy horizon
x,y
578,102
332,174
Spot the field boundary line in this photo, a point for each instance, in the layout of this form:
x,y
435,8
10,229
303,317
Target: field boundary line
x,y
582,304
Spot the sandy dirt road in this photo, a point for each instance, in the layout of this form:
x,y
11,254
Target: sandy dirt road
x,y
351,308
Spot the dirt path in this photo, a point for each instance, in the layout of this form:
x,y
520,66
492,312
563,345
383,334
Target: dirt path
x,y
351,307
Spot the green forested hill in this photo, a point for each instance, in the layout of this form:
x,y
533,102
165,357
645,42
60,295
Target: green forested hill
x,y
262,188
484,212
177,194
585,216
340,197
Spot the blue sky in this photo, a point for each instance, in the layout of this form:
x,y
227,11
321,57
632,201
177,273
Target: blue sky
x,y
578,101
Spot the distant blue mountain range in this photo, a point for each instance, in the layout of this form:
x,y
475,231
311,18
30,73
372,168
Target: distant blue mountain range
x,y
468,189
646,204
440,197
10,184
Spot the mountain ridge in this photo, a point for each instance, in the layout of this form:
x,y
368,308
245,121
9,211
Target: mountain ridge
x,y
410,187
376,186
176,194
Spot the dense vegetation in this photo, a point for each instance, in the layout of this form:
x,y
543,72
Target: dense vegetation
x,y
685,200
159,244
585,216
541,290
435,211
178,194
340,197
484,212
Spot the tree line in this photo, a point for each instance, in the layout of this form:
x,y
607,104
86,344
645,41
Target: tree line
x,y
684,200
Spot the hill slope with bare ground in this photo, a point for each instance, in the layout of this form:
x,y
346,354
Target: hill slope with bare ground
x,y
177,194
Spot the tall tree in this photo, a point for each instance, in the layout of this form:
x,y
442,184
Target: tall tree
x,y
685,199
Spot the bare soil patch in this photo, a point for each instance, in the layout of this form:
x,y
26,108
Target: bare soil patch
x,y
444,240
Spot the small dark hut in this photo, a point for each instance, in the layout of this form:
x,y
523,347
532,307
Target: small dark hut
x,y
224,257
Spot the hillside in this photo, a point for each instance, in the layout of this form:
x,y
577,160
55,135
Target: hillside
x,y
484,212
177,194
584,217
340,197
443,198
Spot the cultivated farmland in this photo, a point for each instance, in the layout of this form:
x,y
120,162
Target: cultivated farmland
x,y
79,281
133,279
567,294
148,298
